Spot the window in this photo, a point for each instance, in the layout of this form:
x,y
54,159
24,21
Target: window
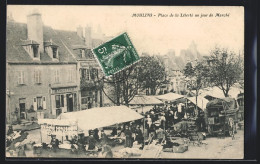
x,y
55,52
70,75
82,53
35,51
39,103
59,99
37,76
93,73
21,77
85,74
57,76
86,97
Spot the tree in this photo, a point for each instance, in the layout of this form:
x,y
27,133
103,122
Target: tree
x,y
151,73
121,87
195,74
225,69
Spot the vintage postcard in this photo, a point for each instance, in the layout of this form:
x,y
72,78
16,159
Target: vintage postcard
x,y
162,82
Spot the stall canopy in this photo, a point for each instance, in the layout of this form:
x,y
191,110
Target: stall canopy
x,y
201,102
141,109
218,93
63,122
145,100
169,97
101,117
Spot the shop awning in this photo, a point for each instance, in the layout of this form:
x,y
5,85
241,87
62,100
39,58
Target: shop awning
x,y
201,102
169,97
101,117
145,100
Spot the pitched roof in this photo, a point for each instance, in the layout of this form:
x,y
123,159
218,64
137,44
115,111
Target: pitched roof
x,y
16,34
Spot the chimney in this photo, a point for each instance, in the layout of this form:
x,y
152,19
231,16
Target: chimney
x,y
35,28
80,31
88,37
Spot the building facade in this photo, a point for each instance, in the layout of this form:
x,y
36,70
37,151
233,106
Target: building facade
x,y
41,72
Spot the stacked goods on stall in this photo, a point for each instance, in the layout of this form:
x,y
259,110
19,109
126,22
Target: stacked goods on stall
x,y
192,131
179,145
176,145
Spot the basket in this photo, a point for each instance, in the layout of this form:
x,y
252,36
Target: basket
x,y
167,150
179,149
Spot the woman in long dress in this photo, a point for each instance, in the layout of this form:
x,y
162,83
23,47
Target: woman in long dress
x,y
128,137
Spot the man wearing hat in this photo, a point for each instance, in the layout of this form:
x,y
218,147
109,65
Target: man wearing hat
x,y
54,143
139,135
21,152
91,141
104,138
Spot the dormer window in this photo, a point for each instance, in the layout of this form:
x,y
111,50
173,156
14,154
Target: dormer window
x,y
80,50
35,51
32,48
54,52
51,49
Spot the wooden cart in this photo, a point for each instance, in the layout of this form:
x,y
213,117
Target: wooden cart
x,y
221,116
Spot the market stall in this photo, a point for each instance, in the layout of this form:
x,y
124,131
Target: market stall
x,y
145,100
169,97
63,129
101,117
215,92
201,102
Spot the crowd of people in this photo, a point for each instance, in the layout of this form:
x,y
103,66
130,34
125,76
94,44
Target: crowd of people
x,y
157,124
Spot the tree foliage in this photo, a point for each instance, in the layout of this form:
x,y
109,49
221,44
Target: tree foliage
x,y
151,73
225,69
121,87
195,74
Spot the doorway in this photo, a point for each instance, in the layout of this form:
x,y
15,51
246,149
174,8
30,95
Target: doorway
x,y
22,108
69,102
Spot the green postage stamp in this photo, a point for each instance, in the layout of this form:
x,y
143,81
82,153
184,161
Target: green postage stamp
x,y
116,54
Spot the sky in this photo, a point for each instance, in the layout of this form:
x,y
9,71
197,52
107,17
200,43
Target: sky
x,y
153,35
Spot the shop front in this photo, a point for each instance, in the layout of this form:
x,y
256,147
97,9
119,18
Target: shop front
x,y
64,99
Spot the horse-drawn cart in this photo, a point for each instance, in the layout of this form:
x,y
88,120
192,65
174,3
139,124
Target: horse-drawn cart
x,y
221,116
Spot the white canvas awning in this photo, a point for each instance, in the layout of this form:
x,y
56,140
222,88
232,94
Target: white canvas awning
x,y
145,100
101,117
141,109
64,122
169,97
218,93
201,102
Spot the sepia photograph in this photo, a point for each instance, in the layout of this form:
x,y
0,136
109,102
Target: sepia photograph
x,y
104,81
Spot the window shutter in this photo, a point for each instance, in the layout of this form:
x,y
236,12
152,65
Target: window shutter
x,y
23,77
19,78
65,103
44,102
34,76
87,74
35,103
40,80
59,75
